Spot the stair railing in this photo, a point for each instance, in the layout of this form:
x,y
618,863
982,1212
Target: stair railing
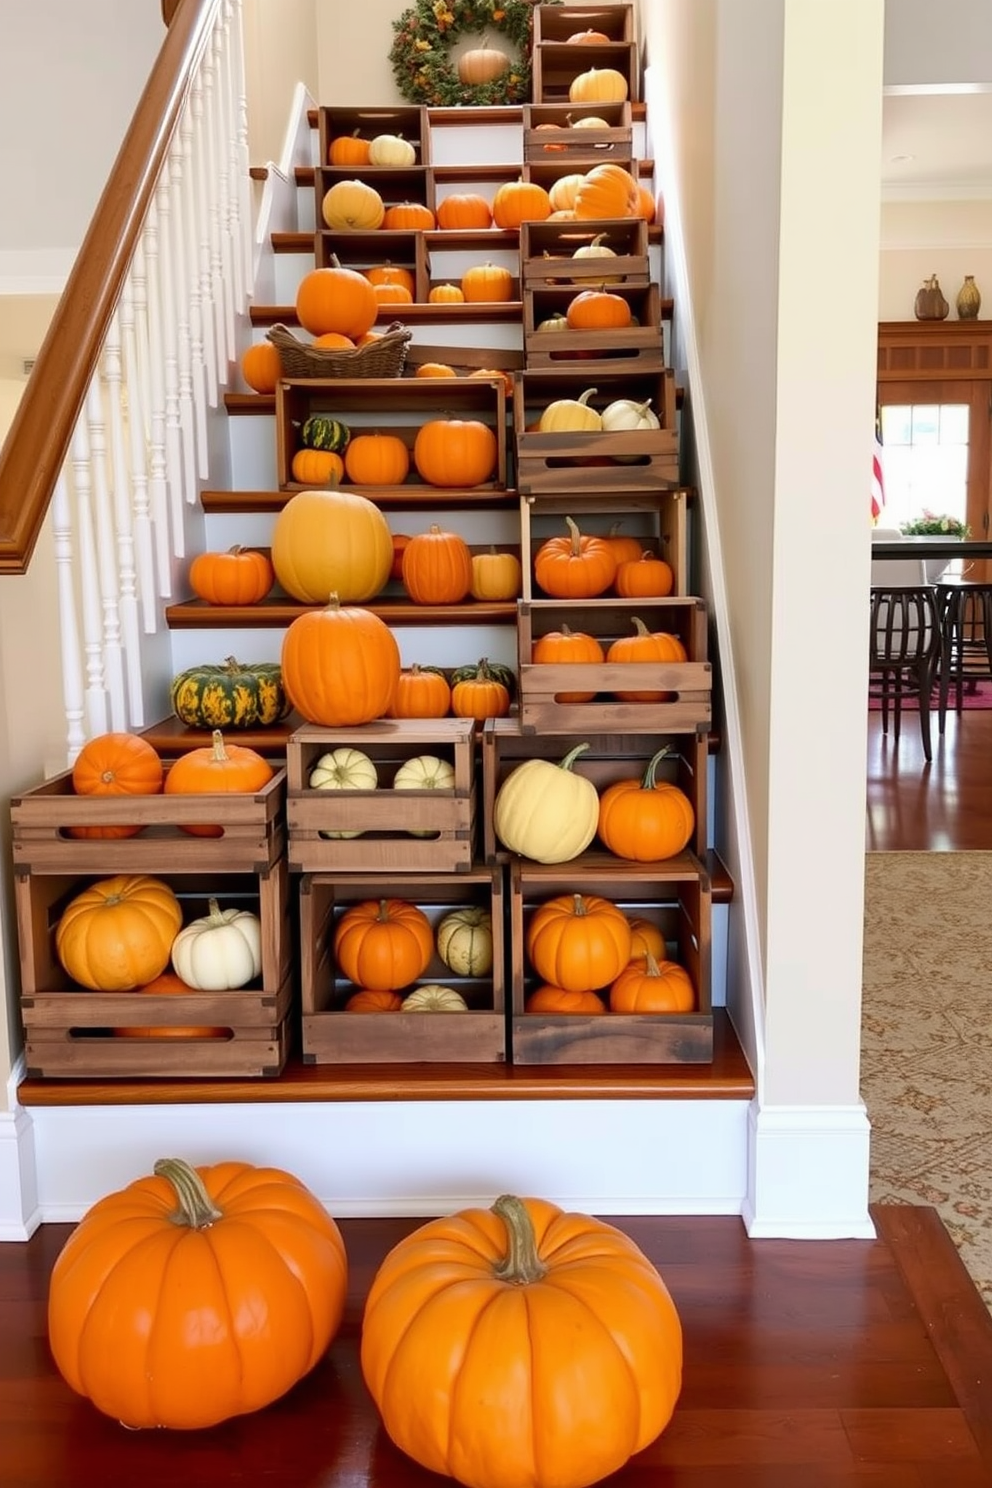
x,y
112,428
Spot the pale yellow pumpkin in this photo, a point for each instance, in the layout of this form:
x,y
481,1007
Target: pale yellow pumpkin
x,y
464,941
331,542
570,415
352,206
596,249
392,150
425,772
545,811
598,85
495,576
343,769
433,998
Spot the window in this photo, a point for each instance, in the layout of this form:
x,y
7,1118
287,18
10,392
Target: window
x,y
925,459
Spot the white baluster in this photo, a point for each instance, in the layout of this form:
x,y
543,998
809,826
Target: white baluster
x,y
87,574
229,94
201,178
135,393
222,186
158,482
117,398
106,555
197,369
181,295
243,158
142,372
167,327
72,664
224,356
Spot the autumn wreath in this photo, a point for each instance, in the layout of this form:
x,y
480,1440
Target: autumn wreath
x,y
425,34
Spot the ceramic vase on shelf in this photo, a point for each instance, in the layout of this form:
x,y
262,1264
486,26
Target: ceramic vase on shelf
x,y
969,301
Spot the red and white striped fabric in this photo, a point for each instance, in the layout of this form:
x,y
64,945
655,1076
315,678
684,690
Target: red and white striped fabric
x,y
877,481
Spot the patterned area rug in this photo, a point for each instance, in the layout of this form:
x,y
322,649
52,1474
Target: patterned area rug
x,y
926,1058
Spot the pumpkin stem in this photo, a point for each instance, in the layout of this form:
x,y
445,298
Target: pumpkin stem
x,y
639,626
215,913
648,782
383,914
220,754
579,905
583,398
572,756
196,1209
573,527
651,966
521,1265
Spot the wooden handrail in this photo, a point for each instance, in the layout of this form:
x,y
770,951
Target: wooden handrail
x,y
38,439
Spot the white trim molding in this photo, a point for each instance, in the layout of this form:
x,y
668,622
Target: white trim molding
x,y
808,1169
20,1215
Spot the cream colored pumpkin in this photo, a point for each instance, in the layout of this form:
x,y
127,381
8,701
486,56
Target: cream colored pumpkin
x,y
464,940
591,121
220,951
425,772
596,249
624,415
343,769
545,811
433,998
391,149
562,193
598,85
570,415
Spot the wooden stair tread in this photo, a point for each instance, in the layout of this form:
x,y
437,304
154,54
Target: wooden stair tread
x,y
417,499
306,175
436,238
727,1077
196,614
464,115
252,403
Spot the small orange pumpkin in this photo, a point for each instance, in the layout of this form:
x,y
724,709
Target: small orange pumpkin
x,y
390,273
368,1000
437,567
487,283
445,294
480,696
646,936
646,577
568,647
558,1000
645,645
587,38
217,768
495,576
578,941
169,985
455,452
646,820
626,547
312,467
408,217
261,367
650,986
348,150
464,211
383,944
598,310
334,341
421,692
578,566
115,764
520,201
392,294
435,369
377,460
241,576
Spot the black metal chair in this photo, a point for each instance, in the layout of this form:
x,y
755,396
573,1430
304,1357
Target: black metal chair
x,y
965,610
905,653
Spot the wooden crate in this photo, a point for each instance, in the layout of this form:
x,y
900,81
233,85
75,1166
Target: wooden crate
x,y
70,1031
556,64
689,683
675,896
635,348
333,1036
395,184
609,758
547,249
366,250
385,816
408,120
594,462
577,148
549,171
390,406
559,22
253,830
658,519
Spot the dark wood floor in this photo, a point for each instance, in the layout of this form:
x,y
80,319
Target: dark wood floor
x,y
833,1364
943,806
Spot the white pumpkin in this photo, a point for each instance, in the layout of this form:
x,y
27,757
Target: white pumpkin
x,y
545,811
591,121
343,769
220,951
433,998
391,149
425,772
464,941
597,249
625,415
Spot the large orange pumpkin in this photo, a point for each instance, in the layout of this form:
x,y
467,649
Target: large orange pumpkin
x,y
606,191
650,986
117,934
437,567
646,819
597,310
408,217
383,944
195,1295
520,201
326,542
336,299
487,282
455,452
521,1345
340,665
578,941
578,566
241,576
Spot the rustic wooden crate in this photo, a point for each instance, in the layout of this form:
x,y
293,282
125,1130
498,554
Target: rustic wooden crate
x,y
40,899
333,1036
676,896
635,348
577,148
658,519
547,249
366,250
609,758
390,406
395,184
386,816
559,22
464,359
690,682
253,828
556,65
594,462
408,120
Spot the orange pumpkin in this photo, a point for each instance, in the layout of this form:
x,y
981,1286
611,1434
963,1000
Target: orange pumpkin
x,y
598,85
216,769
645,645
646,820
598,310
646,577
435,369
400,540
196,1295
578,941
520,201
464,211
115,764
393,294
408,217
336,299
568,647
521,1345
390,273
578,566
650,986
606,191
334,341
421,692
331,541
487,283
587,38
498,374
551,146
348,150
261,367
241,576
455,452
312,467
480,696
626,548
646,936
377,460
339,665
646,207
383,944
368,1000
445,294
169,985
557,1000
117,934
437,567
353,206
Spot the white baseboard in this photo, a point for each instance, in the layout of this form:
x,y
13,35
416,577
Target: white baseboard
x,y
808,1173
20,1215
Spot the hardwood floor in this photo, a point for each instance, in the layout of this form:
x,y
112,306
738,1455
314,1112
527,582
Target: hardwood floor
x,y
820,1363
943,806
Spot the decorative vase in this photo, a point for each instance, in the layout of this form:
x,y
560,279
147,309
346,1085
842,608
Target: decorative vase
x,y
930,303
969,300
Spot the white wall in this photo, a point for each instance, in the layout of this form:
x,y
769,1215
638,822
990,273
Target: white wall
x,y
946,238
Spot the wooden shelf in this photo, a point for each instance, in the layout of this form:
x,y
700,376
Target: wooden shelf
x,y
438,238
418,314
195,614
395,499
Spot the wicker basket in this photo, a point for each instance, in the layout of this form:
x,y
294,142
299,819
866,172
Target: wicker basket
x,y
382,358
